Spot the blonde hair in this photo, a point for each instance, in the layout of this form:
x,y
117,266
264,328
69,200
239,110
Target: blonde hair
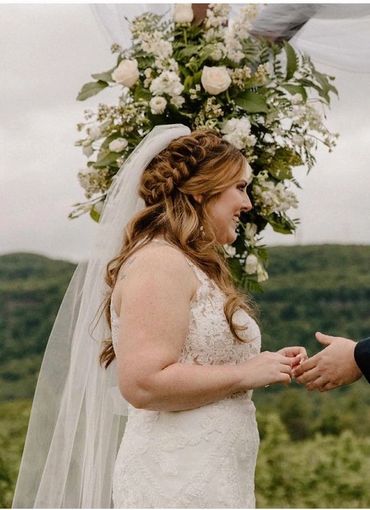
x,y
201,163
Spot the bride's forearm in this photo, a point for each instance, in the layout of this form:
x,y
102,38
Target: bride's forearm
x,y
182,386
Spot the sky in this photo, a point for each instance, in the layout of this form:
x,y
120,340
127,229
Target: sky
x,y
48,51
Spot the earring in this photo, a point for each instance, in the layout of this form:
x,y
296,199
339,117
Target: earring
x,y
202,234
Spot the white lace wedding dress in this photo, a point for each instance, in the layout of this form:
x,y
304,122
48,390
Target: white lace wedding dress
x,y
199,458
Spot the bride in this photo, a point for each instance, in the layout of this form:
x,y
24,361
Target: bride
x,y
184,348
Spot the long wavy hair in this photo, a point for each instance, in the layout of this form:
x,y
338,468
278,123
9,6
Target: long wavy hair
x,y
201,163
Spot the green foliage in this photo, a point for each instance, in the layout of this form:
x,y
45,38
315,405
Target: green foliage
x,y
323,472
13,426
252,102
91,89
315,288
31,290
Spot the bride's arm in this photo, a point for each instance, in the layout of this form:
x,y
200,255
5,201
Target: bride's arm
x,y
154,297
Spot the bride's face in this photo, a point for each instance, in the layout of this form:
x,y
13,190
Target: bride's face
x,y
225,211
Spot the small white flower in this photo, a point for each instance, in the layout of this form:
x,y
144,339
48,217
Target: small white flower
x,y
118,145
126,73
262,274
94,132
183,13
251,264
157,105
87,150
268,138
230,250
250,231
215,79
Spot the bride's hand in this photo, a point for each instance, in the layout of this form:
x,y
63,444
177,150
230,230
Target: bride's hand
x,y
298,354
267,368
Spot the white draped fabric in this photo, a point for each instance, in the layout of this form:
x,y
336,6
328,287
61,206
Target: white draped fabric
x,y
337,35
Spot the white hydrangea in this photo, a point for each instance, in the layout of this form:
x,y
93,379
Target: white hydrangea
x,y
154,44
237,132
271,197
217,15
167,82
233,47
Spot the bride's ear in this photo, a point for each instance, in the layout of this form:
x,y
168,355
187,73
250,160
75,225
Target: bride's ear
x,y
198,198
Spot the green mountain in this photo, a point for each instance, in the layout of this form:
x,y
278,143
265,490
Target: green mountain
x,y
310,288
31,289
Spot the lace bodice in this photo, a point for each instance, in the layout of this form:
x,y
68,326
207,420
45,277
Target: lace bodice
x,y
209,339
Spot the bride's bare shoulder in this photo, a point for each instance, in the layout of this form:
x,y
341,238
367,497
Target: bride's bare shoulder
x,y
160,261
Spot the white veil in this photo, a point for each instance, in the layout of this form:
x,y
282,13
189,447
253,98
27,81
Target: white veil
x,y
77,419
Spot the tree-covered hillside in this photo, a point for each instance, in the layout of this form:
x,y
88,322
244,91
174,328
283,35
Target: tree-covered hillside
x,y
31,289
311,288
315,288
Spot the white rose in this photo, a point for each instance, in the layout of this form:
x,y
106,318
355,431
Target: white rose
x,y
251,264
183,13
126,73
118,145
215,79
157,105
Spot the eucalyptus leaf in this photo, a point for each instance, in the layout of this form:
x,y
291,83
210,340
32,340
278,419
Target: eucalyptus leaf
x,y
108,159
106,76
252,102
91,89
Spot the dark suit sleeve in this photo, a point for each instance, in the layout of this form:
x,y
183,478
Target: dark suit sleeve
x,y
362,357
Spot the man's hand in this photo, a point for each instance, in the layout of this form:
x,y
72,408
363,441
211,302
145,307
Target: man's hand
x,y
332,367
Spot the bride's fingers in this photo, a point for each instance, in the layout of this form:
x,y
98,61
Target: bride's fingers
x,y
293,351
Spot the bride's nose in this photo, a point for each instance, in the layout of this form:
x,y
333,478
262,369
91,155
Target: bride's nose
x,y
247,204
